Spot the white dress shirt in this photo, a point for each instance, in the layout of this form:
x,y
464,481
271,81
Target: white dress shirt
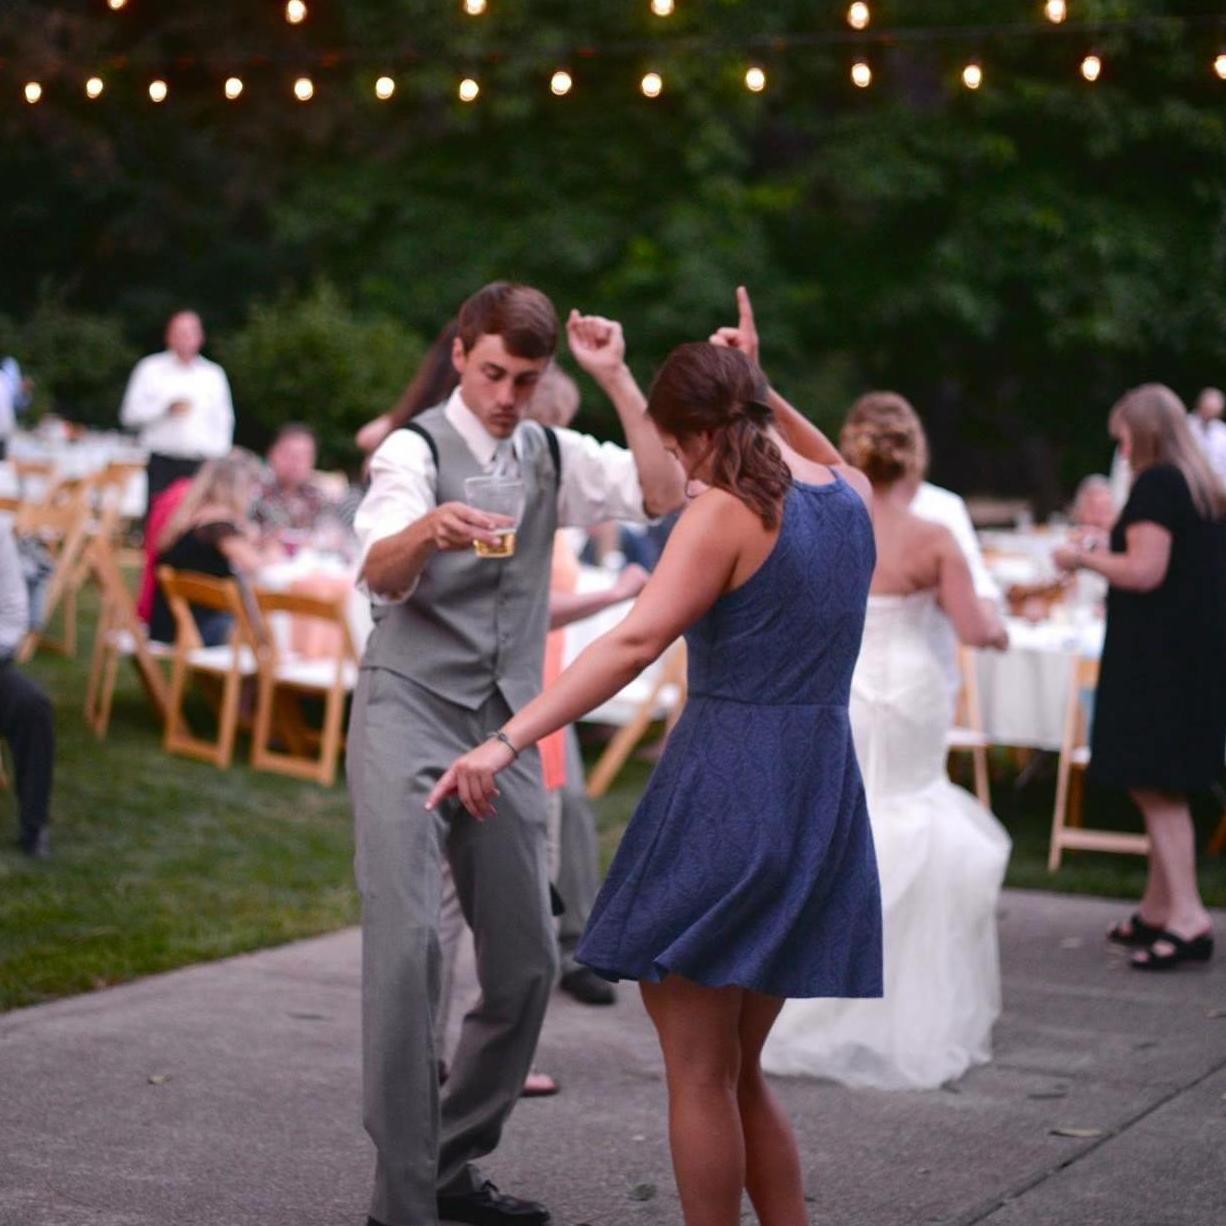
x,y
204,432
599,481
1211,435
940,506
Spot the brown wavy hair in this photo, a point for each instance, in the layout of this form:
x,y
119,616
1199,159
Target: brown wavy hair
x,y
884,438
708,388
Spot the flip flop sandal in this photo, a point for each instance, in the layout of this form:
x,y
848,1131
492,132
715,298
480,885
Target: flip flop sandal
x,y
1134,932
539,1085
1198,949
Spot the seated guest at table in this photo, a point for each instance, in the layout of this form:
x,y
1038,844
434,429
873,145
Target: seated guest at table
x,y
27,719
210,533
434,381
290,499
1209,430
180,403
1094,504
940,854
1159,726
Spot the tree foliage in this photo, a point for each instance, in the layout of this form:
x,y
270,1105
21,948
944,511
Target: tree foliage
x,y
1011,258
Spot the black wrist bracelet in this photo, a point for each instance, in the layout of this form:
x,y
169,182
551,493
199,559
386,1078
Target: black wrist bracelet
x,y
506,740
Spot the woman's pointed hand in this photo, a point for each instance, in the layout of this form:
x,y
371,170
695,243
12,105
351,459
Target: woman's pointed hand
x,y
471,779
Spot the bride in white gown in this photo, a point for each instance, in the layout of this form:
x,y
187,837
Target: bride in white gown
x,y
940,854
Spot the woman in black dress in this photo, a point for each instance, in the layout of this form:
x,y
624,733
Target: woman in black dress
x,y
1160,713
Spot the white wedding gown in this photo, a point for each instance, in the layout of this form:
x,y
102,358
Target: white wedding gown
x,y
941,857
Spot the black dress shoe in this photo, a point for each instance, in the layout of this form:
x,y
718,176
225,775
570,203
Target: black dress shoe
x,y
489,1207
588,988
37,845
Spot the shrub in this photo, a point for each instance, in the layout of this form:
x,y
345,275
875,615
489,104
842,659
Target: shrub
x,y
311,359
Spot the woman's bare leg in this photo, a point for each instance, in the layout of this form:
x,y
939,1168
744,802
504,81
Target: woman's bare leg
x,y
1172,867
699,1035
772,1160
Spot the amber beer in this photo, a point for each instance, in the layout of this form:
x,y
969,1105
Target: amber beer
x,y
503,497
503,548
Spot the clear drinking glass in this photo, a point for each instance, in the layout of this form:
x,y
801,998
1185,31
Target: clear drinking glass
x,y
497,496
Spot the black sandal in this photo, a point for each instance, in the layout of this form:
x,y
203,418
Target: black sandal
x,y
1134,932
1197,949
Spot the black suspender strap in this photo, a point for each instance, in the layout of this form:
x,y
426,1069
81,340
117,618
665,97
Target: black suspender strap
x,y
555,451
424,433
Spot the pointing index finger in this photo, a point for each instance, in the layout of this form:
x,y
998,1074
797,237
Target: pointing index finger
x,y
744,307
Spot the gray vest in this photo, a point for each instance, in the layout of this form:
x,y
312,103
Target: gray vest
x,y
475,625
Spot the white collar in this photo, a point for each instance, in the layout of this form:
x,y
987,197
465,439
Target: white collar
x,y
469,427
173,359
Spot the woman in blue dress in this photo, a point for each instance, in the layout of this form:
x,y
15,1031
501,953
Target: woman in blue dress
x,y
747,874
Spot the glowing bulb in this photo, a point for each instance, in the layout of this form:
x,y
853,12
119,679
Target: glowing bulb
x,y
861,75
385,87
662,8
117,4
469,90
295,12
474,8
304,89
652,85
972,76
561,82
234,87
755,80
94,87
1055,11
158,90
33,92
1091,68
858,16
1219,66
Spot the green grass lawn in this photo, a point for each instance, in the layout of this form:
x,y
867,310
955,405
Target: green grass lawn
x,y
159,862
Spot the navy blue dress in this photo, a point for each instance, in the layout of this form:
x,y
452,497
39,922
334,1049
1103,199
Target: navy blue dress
x,y
749,860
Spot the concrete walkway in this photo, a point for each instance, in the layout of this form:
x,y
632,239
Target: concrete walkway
x,y
228,1095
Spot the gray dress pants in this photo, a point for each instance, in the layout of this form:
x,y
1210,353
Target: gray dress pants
x,y
401,738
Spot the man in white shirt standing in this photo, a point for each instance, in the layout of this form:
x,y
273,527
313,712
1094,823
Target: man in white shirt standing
x,y
458,645
180,403
1209,430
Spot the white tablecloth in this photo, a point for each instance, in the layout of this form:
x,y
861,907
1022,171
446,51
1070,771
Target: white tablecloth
x,y
1023,691
79,458
307,564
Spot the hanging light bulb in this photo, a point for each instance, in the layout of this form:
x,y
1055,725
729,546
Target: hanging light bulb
x,y
474,8
755,79
652,85
561,83
1091,68
858,16
663,8
117,4
158,90
94,87
295,12
469,90
33,92
1055,11
385,87
861,75
304,89
233,87
1219,66
972,76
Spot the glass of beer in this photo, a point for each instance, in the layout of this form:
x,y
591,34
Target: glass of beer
x,y
500,496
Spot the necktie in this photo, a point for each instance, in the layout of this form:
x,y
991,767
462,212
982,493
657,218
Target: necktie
x,y
505,464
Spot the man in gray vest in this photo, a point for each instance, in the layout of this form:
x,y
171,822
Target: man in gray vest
x,y
458,645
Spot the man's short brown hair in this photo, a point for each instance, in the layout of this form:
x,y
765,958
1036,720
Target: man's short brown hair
x,y
521,315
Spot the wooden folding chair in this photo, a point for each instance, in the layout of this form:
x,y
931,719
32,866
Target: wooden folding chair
x,y
61,523
119,634
663,698
286,678
227,664
967,734
1067,831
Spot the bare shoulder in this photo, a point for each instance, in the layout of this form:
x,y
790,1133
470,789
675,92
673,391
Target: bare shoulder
x,y
858,482
719,512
